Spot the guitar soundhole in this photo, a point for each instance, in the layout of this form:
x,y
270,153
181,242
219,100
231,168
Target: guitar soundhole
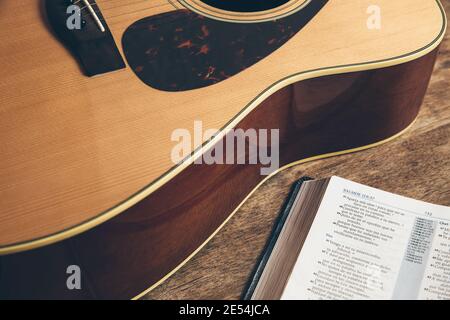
x,y
245,5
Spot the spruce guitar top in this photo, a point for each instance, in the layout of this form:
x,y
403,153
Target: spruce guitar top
x,y
97,96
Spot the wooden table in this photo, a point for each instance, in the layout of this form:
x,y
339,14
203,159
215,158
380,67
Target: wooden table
x,y
416,165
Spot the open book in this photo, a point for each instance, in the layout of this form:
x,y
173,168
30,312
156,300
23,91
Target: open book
x,y
338,239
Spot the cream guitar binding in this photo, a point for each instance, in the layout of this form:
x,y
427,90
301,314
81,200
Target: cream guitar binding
x,y
86,169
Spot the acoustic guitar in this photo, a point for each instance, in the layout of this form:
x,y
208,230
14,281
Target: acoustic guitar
x,y
91,93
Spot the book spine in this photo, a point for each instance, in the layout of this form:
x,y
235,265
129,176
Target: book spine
x,y
276,230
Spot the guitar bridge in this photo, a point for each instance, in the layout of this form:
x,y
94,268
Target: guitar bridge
x,y
81,27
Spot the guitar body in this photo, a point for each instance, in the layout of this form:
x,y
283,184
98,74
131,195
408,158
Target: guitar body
x,y
86,168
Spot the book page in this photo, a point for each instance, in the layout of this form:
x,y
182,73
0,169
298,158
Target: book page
x,y
370,244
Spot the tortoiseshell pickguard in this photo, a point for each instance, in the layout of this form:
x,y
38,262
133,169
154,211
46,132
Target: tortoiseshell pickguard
x,y
182,50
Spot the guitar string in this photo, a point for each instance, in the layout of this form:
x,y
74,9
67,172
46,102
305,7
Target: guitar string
x,y
168,3
128,4
95,5
116,6
141,1
106,9
98,10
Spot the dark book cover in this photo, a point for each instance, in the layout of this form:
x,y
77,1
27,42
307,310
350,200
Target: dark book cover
x,y
278,226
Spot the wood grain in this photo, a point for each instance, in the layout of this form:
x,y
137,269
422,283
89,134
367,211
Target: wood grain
x,y
416,165
72,148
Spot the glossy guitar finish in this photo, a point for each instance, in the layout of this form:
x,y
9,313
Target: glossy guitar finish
x,y
78,153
